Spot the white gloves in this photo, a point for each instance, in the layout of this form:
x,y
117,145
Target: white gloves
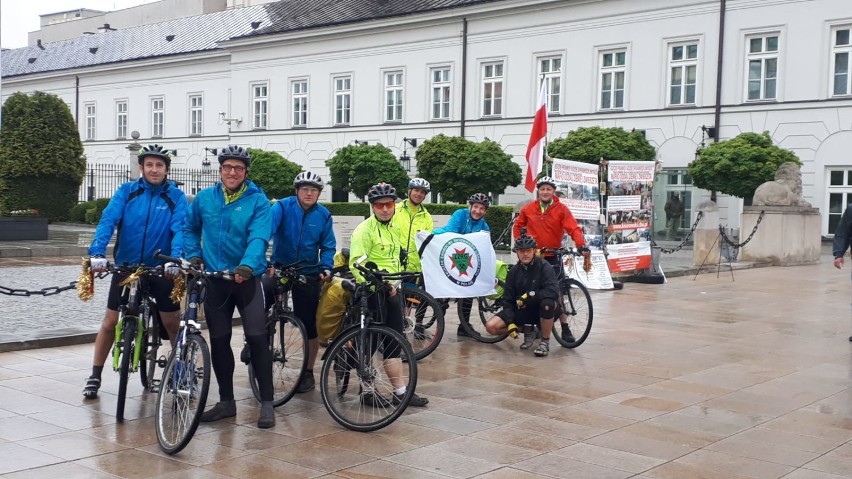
x,y
171,270
98,265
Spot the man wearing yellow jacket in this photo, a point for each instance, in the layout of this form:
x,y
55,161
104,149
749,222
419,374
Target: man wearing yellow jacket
x,y
411,216
379,240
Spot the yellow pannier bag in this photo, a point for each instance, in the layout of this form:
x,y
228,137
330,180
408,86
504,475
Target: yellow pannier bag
x,y
332,307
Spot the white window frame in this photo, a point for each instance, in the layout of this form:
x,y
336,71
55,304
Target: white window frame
x,y
493,88
682,64
158,116
393,95
299,89
342,99
91,120
121,111
609,73
196,114
260,105
441,91
766,56
837,50
549,68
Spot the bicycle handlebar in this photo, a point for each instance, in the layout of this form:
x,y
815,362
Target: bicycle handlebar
x,y
564,251
194,269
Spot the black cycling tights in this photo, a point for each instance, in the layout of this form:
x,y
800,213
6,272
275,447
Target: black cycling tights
x,y
247,297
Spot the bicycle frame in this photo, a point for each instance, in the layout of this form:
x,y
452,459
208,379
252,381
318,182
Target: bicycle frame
x,y
134,309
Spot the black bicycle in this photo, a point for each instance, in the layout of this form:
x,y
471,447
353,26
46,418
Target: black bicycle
x,y
423,317
576,302
288,341
358,382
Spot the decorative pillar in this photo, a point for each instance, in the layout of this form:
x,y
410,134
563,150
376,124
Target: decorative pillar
x,y
705,246
133,156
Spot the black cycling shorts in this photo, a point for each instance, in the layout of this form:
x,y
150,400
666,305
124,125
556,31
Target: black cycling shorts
x,y
158,287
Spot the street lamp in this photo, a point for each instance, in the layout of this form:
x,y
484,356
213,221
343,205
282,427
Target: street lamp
x,y
404,159
206,161
360,142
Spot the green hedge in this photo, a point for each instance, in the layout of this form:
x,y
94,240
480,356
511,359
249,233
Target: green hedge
x,y
88,212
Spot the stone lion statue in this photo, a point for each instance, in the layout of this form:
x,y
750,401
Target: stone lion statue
x,y
785,190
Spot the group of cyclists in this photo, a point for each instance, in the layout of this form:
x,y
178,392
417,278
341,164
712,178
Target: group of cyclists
x,y
228,227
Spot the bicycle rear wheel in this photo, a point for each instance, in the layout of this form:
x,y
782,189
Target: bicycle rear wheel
x,y
423,321
183,394
150,347
289,345
474,313
355,387
577,305
128,334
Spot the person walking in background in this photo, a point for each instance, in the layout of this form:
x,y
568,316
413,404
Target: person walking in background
x,y
674,211
842,239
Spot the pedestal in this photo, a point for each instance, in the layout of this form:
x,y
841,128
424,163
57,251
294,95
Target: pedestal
x,y
705,246
787,235
21,228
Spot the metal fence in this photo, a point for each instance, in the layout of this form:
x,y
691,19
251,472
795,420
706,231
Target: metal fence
x,y
102,179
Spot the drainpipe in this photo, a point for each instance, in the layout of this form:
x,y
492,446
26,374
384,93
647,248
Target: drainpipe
x,y
77,100
718,112
463,75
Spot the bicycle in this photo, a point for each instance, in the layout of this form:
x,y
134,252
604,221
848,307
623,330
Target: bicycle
x,y
359,401
186,375
423,317
575,299
287,338
137,333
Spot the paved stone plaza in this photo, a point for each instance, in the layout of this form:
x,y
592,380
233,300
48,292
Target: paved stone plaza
x,y
708,377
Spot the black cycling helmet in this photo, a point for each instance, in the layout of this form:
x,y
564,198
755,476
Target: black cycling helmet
x,y
524,241
480,198
379,191
156,151
545,180
234,152
308,178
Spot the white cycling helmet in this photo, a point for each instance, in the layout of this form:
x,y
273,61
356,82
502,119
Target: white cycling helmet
x,y
419,183
545,180
308,178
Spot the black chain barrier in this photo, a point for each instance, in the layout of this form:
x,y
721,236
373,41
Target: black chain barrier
x,y
40,292
688,236
750,236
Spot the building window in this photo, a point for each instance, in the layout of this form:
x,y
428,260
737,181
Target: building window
x,y
121,119
342,100
613,69
492,89
839,196
393,96
762,67
196,114
90,121
683,73
299,89
840,51
550,71
157,105
260,106
440,78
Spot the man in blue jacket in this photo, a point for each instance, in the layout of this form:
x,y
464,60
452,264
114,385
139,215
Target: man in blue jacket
x,y
227,229
149,215
302,231
464,221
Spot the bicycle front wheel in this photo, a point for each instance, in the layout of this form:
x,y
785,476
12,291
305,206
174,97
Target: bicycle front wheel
x,y
128,333
423,321
577,306
288,342
357,382
183,394
474,313
150,347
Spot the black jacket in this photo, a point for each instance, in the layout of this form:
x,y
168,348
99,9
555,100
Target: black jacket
x,y
539,276
843,234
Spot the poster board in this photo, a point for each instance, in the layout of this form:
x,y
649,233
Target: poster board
x,y
628,215
580,184
599,276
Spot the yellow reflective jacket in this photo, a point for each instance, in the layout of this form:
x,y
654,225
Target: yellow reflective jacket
x,y
409,223
380,242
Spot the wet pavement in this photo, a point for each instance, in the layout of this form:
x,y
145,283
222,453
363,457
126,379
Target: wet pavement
x,y
705,377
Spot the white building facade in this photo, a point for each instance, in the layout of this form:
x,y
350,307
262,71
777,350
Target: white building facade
x,y
474,70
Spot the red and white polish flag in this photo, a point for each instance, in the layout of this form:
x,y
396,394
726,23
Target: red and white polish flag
x,y
535,148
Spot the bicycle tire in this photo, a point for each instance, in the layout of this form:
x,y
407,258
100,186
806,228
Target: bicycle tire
x,y
422,322
150,347
182,396
128,334
577,304
343,398
289,344
481,310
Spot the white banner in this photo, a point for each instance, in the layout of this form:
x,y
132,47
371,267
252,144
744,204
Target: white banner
x,y
598,278
458,266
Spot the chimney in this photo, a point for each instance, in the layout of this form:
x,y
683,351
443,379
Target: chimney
x,y
105,28
38,44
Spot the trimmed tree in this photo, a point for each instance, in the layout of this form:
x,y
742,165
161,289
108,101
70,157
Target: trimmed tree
x,y
40,153
356,168
457,167
591,144
272,172
738,166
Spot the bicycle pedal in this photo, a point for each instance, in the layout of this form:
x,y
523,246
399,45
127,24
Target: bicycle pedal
x,y
161,361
